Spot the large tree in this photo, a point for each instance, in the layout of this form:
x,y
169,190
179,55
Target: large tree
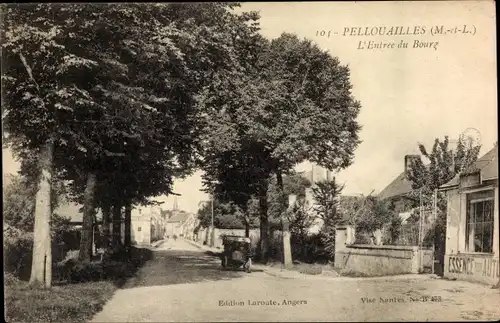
x,y
443,164
232,178
295,104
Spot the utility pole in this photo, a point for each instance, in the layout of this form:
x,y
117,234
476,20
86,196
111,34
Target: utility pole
x,y
212,238
434,219
420,233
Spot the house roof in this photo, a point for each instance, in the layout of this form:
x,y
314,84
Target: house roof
x,y
398,187
70,211
166,213
179,216
73,212
486,165
349,205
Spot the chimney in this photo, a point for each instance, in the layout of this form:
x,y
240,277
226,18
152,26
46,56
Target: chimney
x,y
409,159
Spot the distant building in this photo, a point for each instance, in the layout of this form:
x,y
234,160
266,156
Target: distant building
x,y
181,224
148,226
317,174
472,230
141,228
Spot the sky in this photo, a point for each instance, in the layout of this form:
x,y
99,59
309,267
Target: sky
x,y
408,95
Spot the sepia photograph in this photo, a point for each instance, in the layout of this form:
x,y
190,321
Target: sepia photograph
x,y
250,161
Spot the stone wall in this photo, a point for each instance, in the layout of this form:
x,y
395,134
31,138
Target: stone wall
x,y
372,260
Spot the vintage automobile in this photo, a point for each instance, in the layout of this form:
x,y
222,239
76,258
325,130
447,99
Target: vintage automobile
x,y
237,253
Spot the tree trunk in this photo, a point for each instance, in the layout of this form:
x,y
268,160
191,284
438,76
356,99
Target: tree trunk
x,y
117,223
247,226
41,267
264,224
287,250
128,222
88,214
247,222
106,221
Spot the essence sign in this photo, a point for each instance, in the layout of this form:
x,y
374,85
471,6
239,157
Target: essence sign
x,y
461,265
484,267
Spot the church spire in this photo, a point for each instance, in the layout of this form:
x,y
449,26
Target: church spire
x,y
175,204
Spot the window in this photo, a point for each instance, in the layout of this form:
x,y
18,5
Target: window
x,y
139,229
479,221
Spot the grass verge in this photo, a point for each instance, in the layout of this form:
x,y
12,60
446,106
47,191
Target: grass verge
x,y
76,298
303,268
68,303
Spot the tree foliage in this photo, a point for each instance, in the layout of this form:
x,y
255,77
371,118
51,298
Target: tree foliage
x,y
293,183
107,89
226,216
444,164
300,219
326,195
374,216
280,112
117,86
19,204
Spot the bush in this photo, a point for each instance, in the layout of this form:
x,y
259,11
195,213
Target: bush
x,y
309,248
363,238
86,272
10,280
18,254
18,251
77,272
117,269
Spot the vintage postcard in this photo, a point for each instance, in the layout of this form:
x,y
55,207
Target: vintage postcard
x,y
250,162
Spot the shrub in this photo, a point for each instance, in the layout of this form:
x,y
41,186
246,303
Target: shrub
x,y
362,238
18,251
10,280
18,254
117,269
309,248
86,272
77,272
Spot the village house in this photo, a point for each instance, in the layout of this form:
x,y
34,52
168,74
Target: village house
x,y
147,225
73,212
472,244
398,191
180,224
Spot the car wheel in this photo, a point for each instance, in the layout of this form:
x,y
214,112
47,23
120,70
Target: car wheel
x,y
248,266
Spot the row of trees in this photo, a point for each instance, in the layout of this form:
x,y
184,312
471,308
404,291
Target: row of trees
x,y
107,97
118,100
